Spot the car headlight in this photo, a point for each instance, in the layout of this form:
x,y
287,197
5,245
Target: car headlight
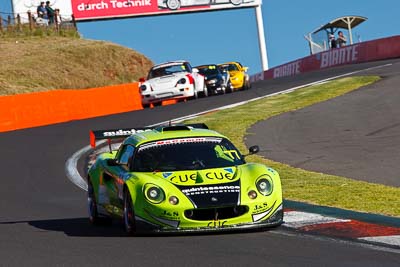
x,y
212,81
181,81
143,87
154,193
173,200
264,185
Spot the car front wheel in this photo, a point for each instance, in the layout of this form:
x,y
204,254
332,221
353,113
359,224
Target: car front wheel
x,y
129,214
92,205
205,91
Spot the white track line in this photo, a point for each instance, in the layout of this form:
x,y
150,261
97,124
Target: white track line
x,y
393,240
71,167
297,219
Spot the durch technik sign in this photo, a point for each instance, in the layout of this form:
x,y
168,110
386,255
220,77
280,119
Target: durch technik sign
x,y
108,9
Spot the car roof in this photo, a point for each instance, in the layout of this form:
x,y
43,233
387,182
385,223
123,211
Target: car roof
x,y
172,132
206,65
229,63
164,64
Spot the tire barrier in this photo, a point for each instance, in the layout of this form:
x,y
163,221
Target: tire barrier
x,y
44,108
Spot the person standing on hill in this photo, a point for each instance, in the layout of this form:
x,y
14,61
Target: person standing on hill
x,y
332,41
42,11
341,40
50,12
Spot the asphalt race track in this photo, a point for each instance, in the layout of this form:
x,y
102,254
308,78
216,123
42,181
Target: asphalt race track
x,y
356,135
43,219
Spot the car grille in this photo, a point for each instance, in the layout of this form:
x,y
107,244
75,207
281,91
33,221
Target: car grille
x,y
216,213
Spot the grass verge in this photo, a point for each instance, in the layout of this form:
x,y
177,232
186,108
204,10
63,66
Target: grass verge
x,y
43,63
298,184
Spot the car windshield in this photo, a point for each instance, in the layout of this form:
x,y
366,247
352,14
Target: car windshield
x,y
168,70
208,70
186,154
232,67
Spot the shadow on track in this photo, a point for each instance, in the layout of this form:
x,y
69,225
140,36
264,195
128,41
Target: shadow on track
x,y
80,227
77,227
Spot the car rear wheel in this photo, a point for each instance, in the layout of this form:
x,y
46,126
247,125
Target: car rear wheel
x,y
145,105
195,95
129,214
244,86
223,90
92,205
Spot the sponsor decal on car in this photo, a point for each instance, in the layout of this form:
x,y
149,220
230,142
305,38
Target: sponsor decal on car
x,y
180,141
123,132
183,178
174,215
201,190
218,175
216,224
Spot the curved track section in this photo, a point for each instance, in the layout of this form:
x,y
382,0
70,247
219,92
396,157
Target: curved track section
x,y
356,135
43,217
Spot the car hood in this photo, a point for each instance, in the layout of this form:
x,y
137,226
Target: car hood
x,y
202,177
208,188
167,81
235,73
214,76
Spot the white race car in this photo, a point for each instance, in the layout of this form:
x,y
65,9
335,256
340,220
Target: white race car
x,y
171,80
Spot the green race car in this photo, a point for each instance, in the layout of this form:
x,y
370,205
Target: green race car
x,y
181,178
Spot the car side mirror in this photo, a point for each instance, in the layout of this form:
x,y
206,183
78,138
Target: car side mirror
x,y
195,70
142,80
112,162
245,68
254,150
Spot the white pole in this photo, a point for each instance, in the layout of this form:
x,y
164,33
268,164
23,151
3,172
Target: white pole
x,y
12,8
261,38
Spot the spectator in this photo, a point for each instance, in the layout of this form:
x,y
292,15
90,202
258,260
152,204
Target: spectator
x,y
57,16
341,40
332,41
50,12
42,11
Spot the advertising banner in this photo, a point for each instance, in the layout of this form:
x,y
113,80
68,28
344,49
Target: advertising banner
x,y
380,49
109,9
100,9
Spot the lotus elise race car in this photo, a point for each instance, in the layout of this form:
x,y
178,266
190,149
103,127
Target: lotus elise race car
x,y
171,80
239,78
181,178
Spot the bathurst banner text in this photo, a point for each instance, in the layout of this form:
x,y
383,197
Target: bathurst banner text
x,y
380,49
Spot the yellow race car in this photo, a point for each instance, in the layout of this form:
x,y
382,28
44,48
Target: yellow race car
x,y
240,80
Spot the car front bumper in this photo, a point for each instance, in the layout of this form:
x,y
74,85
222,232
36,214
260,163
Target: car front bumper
x,y
149,97
274,219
